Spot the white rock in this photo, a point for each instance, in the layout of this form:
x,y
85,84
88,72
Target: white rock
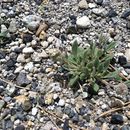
x,y
127,54
28,50
3,28
34,111
61,102
83,4
17,122
55,96
50,39
44,44
98,11
55,87
29,66
34,42
104,106
21,58
18,69
101,92
83,22
91,5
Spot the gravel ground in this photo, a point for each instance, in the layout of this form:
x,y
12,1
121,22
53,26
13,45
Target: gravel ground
x,y
33,90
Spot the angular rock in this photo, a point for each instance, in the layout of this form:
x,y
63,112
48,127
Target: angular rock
x,y
126,13
112,13
2,104
22,79
27,37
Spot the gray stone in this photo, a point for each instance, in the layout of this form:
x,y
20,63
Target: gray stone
x,y
2,103
26,105
12,28
22,79
48,126
10,90
32,21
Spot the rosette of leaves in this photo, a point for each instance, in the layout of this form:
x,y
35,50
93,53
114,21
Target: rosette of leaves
x,y
90,65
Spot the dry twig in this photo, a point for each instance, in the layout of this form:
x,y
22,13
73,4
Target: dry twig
x,y
74,127
126,105
11,83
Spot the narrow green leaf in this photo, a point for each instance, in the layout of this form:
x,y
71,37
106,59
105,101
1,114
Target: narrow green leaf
x,y
73,80
100,68
74,48
113,75
96,87
127,83
110,46
96,62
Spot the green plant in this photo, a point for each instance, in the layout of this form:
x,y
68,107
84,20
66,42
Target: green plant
x,y
3,37
90,65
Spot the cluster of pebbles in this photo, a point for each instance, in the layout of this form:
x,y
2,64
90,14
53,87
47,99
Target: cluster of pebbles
x,y
33,89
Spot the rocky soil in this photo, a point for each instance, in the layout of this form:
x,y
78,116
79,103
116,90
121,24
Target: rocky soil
x,y
33,88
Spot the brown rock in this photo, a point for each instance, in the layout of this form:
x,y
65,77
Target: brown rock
x,y
42,27
43,35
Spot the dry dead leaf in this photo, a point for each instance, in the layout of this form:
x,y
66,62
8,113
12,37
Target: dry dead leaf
x,y
21,98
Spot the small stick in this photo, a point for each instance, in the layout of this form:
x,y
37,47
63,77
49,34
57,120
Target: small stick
x,y
113,110
120,74
51,119
81,87
75,127
11,83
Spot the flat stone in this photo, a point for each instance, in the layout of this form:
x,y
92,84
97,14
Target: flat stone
x,y
28,50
